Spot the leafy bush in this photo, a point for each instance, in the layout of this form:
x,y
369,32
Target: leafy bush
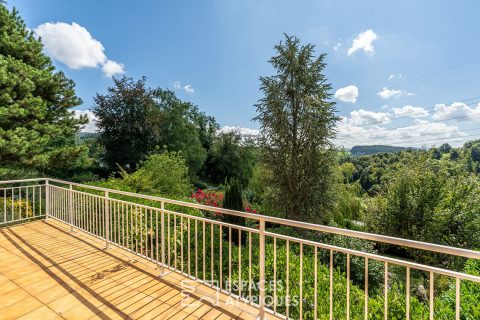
x,y
163,174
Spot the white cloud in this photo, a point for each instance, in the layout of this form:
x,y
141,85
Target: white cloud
x,y
241,130
410,111
364,41
415,135
74,46
390,77
337,46
456,110
365,117
347,94
188,89
90,126
111,68
177,85
392,93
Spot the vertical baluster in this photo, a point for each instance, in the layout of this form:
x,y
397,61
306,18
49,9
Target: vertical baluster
x,y
20,202
211,254
5,205
181,242
348,286
124,226
274,275
175,241
407,289
13,208
196,248
239,263
131,233
432,294
366,289
156,235
204,252
139,216
457,298
32,195
145,252
301,281
250,281
315,283
386,291
287,281
169,240
220,267
162,224
261,288
27,200
230,259
152,254
331,284
189,250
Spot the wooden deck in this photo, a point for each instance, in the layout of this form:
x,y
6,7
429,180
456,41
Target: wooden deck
x,y
47,272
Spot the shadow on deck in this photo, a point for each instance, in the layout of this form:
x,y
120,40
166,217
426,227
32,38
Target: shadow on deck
x,y
47,272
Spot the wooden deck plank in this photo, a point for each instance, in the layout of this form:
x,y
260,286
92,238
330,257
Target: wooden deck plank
x,y
48,272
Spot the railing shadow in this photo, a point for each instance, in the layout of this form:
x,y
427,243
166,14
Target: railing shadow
x,y
16,239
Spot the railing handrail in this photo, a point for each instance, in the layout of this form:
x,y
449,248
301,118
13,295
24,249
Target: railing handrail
x,y
460,252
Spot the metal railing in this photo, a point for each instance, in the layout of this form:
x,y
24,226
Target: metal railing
x,y
249,262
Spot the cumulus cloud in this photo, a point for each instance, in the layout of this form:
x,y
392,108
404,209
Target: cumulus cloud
x,y
177,85
392,93
91,125
365,117
347,94
410,111
364,41
74,46
418,134
111,68
458,110
241,130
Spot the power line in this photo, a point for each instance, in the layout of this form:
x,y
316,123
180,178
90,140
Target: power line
x,y
438,71
427,109
401,84
401,127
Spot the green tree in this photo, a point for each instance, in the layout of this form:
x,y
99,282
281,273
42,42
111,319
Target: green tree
x,y
297,124
229,159
445,148
435,154
37,125
127,118
183,128
233,200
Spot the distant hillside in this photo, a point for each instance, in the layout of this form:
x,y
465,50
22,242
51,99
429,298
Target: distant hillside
x,y
87,135
366,150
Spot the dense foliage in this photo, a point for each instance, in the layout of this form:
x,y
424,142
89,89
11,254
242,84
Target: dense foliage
x,y
37,127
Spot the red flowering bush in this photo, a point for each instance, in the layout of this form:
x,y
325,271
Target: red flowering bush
x,y
209,198
250,210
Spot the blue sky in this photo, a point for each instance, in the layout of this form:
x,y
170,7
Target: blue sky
x,y
213,52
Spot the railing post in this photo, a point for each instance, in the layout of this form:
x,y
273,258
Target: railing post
x,y
261,288
162,214
70,206
47,199
107,221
